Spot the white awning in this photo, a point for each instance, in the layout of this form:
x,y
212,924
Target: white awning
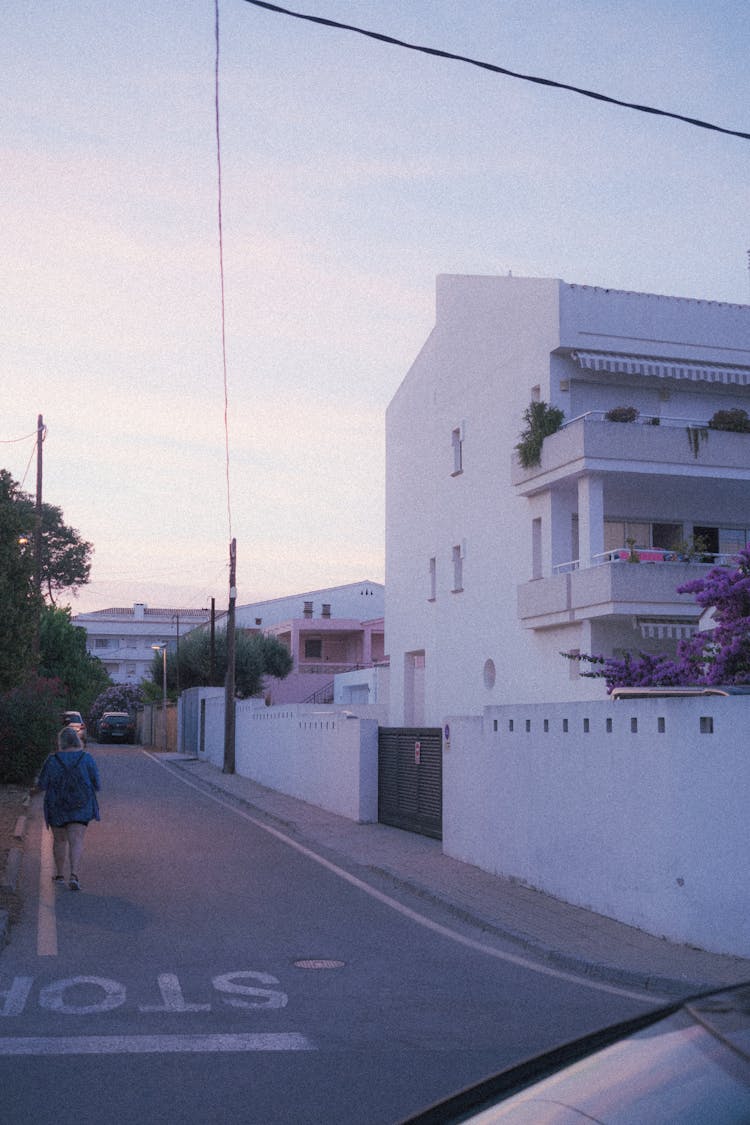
x,y
617,363
662,630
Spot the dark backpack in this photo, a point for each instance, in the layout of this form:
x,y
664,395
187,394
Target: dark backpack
x,y
72,791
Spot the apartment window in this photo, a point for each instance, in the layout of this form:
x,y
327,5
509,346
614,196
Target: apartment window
x,y
101,642
313,648
721,540
433,580
617,533
457,441
307,609
458,568
667,536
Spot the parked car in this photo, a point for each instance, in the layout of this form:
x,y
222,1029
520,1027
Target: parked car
x,y
116,726
678,692
74,719
688,1062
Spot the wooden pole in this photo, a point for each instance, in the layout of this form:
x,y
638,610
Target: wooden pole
x,y
229,689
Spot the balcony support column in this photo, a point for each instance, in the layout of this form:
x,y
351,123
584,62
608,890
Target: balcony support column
x,y
590,517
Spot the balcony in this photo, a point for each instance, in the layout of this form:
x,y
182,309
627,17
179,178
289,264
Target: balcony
x,y
613,588
676,446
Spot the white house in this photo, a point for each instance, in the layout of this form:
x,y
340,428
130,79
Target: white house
x,y
360,600
330,631
122,637
494,570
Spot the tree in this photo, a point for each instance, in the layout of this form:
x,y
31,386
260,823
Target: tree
x,y
255,657
63,655
66,557
720,655
119,697
18,599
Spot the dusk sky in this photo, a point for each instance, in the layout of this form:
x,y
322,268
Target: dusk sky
x,y
353,173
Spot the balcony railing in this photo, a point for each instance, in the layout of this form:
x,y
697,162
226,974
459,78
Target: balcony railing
x,y
678,446
641,420
327,668
647,555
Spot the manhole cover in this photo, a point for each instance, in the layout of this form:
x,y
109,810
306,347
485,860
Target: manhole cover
x,y
318,963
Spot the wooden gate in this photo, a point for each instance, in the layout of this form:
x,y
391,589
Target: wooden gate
x,y
410,779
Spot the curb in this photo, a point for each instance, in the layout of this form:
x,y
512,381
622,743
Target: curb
x,y
569,962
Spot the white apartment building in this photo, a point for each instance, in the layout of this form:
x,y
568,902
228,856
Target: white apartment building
x,y
493,570
123,637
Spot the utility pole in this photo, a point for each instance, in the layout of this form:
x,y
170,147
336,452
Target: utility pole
x,y
38,529
229,690
176,617
212,646
38,509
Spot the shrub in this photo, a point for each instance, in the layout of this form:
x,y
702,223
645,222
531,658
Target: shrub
x,y
735,421
30,717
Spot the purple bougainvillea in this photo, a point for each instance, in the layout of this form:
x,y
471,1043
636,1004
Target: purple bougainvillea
x,y
720,655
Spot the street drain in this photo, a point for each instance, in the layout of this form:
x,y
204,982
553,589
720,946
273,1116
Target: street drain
x,y
318,963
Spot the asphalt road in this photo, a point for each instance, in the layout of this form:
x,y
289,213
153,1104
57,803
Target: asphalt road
x,y
209,971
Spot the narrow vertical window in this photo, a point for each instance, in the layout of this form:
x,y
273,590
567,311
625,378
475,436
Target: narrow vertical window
x,y
536,548
458,569
457,441
433,580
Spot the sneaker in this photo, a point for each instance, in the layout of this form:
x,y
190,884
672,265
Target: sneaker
x,y
74,884
58,879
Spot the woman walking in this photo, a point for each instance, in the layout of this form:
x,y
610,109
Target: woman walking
x,y
70,780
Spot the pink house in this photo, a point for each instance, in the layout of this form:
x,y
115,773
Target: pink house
x,y
321,647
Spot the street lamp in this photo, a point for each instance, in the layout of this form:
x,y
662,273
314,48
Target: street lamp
x,y
162,648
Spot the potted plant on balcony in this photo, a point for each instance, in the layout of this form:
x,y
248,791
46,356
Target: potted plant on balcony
x,y
541,420
734,421
694,548
633,556
622,414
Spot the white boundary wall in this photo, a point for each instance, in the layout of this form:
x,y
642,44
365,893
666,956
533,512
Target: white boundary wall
x,y
319,755
638,811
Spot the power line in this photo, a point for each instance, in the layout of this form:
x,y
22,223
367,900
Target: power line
x,y
500,69
221,267
12,441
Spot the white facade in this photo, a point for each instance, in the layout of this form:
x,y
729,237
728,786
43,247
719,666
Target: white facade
x,y
122,638
493,570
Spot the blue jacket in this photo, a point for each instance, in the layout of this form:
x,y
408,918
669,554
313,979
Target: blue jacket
x,y
50,775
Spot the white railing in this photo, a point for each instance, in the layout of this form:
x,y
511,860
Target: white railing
x,y
647,555
642,420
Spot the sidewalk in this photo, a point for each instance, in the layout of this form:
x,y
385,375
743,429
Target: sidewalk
x,y
539,926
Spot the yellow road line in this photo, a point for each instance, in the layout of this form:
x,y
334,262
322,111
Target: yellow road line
x,y
46,931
